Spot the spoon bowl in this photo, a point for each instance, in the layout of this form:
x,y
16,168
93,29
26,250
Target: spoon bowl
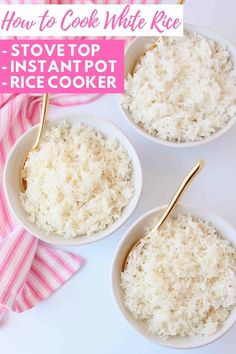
x,y
180,191
152,45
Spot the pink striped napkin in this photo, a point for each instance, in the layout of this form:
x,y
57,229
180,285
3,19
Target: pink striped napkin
x,y
30,270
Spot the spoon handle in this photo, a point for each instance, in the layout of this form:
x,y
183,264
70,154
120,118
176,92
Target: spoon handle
x,y
42,121
188,179
154,45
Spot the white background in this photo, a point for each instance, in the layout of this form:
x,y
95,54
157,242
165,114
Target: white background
x,y
82,317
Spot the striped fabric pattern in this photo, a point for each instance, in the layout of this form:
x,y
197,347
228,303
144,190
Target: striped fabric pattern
x,y
30,270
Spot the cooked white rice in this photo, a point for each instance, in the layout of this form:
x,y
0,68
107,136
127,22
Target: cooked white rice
x,y
183,90
181,282
78,181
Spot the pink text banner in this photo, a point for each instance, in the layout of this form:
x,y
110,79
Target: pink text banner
x,y
61,66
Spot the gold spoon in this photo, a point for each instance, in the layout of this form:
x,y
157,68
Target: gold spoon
x,y
38,139
153,45
186,182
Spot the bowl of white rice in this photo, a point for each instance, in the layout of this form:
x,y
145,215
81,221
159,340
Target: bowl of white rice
x,y
179,287
182,92
83,182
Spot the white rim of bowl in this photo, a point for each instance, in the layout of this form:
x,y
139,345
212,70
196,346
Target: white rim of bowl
x,y
158,140
76,241
112,282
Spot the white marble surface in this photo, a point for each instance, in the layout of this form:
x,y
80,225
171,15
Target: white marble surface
x,y
82,317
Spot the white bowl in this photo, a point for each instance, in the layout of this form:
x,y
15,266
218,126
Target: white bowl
x,y
138,46
12,183
129,239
